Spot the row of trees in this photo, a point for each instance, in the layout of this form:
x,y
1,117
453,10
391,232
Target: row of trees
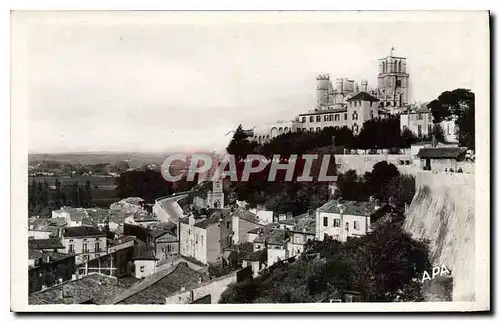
x,y
384,266
42,197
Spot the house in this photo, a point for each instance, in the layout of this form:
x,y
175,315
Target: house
x,y
49,268
144,260
73,216
257,260
274,240
264,216
85,242
244,221
161,236
157,287
441,159
302,230
204,238
94,288
344,218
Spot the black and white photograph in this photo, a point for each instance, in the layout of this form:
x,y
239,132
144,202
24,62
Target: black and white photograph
x,y
165,159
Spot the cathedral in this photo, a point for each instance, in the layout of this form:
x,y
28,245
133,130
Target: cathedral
x,y
344,102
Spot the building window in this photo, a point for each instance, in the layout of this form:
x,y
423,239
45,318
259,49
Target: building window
x,y
311,119
97,247
371,114
337,117
201,240
448,129
398,83
196,238
355,128
142,269
303,119
318,118
325,118
228,225
420,130
325,221
71,248
347,226
169,248
345,116
336,223
355,115
356,225
85,248
311,130
429,129
330,117
318,129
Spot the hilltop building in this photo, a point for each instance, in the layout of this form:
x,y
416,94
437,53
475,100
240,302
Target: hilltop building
x,y
347,103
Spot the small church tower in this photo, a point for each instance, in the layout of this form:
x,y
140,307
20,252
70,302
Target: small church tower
x,y
392,83
215,198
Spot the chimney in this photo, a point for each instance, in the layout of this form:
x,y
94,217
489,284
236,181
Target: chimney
x,y
200,280
377,204
372,198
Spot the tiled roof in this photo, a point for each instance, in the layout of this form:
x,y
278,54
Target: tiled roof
x,y
363,96
271,236
77,216
82,231
93,287
160,286
246,215
49,243
305,223
214,218
120,240
143,252
260,255
48,257
441,153
349,207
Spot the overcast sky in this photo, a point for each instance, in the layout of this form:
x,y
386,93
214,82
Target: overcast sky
x,y
163,87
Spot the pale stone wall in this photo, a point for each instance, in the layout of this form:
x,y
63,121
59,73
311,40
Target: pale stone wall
x,y
213,287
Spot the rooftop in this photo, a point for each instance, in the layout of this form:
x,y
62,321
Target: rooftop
x,y
442,153
49,243
271,236
328,111
246,215
82,231
348,207
94,287
143,252
260,255
363,96
155,288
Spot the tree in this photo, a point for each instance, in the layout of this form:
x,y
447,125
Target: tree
x,y
148,185
240,146
401,188
380,176
350,186
438,133
458,104
408,138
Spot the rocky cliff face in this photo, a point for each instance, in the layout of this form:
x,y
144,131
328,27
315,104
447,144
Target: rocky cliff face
x,y
442,212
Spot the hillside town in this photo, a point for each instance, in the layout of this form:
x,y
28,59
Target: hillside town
x,y
192,246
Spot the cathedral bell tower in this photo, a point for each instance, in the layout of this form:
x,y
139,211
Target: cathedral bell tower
x,y
392,83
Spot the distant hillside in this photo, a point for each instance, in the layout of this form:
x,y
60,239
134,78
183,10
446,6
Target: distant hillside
x,y
134,159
